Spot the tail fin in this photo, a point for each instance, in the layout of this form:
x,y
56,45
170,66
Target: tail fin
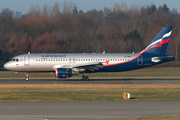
x,y
160,43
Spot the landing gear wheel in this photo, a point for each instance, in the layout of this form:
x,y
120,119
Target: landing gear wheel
x,y
85,77
27,78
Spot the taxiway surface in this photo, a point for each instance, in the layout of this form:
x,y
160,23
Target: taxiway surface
x,y
92,81
86,110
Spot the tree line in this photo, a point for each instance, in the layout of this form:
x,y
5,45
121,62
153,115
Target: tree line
x,y
67,29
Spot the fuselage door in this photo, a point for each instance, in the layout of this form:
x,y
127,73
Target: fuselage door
x,y
140,60
26,60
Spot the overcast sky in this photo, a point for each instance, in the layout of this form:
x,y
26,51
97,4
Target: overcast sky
x,y
85,5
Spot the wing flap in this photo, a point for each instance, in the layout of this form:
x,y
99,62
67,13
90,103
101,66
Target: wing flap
x,y
92,66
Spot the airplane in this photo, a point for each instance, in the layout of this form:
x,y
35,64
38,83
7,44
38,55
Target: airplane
x,y
66,65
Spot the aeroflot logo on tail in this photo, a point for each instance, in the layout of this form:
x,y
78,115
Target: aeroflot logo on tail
x,y
158,43
53,56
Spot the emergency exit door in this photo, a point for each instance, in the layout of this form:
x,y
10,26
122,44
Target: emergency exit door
x,y
26,60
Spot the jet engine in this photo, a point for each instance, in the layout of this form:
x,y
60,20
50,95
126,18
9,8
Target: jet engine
x,y
63,72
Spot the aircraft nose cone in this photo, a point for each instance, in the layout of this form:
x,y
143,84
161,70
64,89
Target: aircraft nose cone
x,y
6,66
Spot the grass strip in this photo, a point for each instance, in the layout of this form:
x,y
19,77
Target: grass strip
x,y
148,73
87,92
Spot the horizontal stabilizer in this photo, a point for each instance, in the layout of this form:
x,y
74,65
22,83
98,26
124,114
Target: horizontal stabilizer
x,y
157,59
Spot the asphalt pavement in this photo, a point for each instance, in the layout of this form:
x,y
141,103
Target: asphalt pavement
x,y
91,81
86,110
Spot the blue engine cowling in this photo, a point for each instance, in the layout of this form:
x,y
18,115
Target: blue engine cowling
x,y
63,72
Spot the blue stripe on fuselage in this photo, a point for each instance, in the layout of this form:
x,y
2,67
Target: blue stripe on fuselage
x,y
131,65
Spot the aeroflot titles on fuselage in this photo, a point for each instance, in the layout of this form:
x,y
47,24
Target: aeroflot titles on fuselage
x,y
53,56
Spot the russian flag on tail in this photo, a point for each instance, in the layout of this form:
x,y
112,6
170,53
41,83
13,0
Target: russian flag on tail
x,y
159,44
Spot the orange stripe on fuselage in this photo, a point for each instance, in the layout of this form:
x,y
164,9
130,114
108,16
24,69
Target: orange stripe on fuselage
x,y
121,62
158,45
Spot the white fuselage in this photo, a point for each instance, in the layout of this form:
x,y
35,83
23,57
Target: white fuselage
x,y
51,61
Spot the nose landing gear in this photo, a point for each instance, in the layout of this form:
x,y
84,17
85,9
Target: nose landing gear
x,y
27,76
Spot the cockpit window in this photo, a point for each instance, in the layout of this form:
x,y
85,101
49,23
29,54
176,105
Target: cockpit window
x,y
12,59
16,60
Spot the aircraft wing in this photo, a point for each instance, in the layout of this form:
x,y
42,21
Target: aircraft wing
x,y
89,66
81,67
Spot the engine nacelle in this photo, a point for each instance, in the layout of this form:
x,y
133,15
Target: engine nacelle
x,y
63,72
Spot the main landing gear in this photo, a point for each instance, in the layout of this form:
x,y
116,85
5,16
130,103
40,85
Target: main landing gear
x,y
27,76
85,77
